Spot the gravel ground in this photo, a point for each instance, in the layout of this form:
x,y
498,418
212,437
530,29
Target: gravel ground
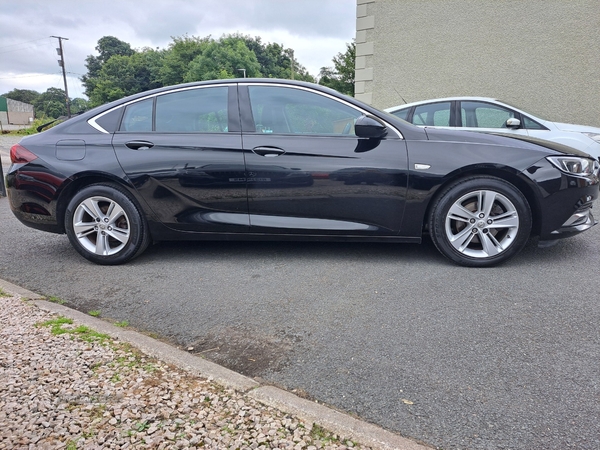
x,y
63,385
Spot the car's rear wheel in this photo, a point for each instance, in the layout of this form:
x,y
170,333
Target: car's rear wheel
x,y
480,221
105,226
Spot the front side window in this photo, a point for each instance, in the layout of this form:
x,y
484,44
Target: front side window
x,y
484,115
282,110
531,124
202,110
434,114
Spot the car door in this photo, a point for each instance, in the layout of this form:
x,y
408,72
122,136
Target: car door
x,y
182,150
308,172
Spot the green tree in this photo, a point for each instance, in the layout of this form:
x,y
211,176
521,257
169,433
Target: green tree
x,y
223,59
177,58
275,60
22,95
341,76
118,70
108,46
79,105
51,103
124,75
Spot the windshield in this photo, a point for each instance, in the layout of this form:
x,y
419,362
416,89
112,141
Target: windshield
x,y
525,110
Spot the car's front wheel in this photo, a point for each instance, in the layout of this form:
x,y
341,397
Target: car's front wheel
x,y
480,221
105,226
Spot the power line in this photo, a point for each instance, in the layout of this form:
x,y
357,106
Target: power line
x,y
20,43
28,76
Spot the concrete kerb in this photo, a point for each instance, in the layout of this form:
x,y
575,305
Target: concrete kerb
x,y
359,431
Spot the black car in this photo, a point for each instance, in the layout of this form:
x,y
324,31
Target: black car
x,y
278,159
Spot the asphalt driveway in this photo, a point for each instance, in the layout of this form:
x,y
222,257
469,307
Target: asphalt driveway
x,y
451,356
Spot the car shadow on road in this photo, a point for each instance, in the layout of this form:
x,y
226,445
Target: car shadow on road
x,y
399,253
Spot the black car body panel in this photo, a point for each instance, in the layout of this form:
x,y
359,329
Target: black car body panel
x,y
244,172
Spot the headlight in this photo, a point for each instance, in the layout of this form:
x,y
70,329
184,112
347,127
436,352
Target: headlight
x,y
574,165
594,136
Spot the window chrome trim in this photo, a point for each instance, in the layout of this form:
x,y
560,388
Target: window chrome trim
x,y
324,94
92,122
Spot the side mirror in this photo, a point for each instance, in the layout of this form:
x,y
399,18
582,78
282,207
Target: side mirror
x,y
369,127
513,123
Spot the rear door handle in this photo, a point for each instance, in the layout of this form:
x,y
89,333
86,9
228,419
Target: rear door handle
x,y
269,152
139,145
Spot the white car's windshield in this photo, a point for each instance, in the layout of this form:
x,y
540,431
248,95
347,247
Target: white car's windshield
x,y
523,109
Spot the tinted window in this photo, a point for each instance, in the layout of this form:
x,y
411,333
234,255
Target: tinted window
x,y
435,114
138,116
296,111
484,115
110,121
193,111
402,113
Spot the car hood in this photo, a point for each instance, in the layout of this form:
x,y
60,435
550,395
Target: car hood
x,y
557,146
491,138
576,128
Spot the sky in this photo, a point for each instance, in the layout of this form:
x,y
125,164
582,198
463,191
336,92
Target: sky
x,y
316,30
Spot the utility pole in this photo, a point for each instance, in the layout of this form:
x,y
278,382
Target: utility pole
x,y
292,64
61,63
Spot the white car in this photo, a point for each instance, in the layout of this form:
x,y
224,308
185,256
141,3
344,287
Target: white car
x,y
491,115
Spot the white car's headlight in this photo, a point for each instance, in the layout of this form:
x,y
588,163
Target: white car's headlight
x,y
594,136
574,165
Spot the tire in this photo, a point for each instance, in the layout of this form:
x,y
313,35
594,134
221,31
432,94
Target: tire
x,y
105,226
480,221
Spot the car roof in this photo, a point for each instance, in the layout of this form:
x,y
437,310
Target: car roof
x,y
444,99
227,81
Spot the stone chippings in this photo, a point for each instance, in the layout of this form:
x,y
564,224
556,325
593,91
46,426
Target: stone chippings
x,y
58,391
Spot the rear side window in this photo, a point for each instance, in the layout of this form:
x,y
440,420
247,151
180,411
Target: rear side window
x,y
138,116
193,111
202,110
434,114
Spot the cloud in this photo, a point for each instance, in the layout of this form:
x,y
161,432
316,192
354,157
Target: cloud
x,y
316,29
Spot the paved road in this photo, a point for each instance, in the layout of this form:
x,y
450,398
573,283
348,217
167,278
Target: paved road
x,y
455,357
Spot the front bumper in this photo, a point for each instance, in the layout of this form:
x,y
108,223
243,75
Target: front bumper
x,y
580,221
565,201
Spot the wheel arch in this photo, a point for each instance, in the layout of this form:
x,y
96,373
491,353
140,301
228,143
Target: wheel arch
x,y
86,179
519,181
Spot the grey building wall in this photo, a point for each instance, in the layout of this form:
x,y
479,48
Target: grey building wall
x,y
13,112
540,55
16,106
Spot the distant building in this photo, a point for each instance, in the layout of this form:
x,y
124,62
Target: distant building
x,y
542,56
13,112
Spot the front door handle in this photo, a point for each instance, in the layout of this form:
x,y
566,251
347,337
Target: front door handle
x,y
269,152
139,145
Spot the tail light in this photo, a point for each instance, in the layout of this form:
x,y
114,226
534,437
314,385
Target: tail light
x,y
20,155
